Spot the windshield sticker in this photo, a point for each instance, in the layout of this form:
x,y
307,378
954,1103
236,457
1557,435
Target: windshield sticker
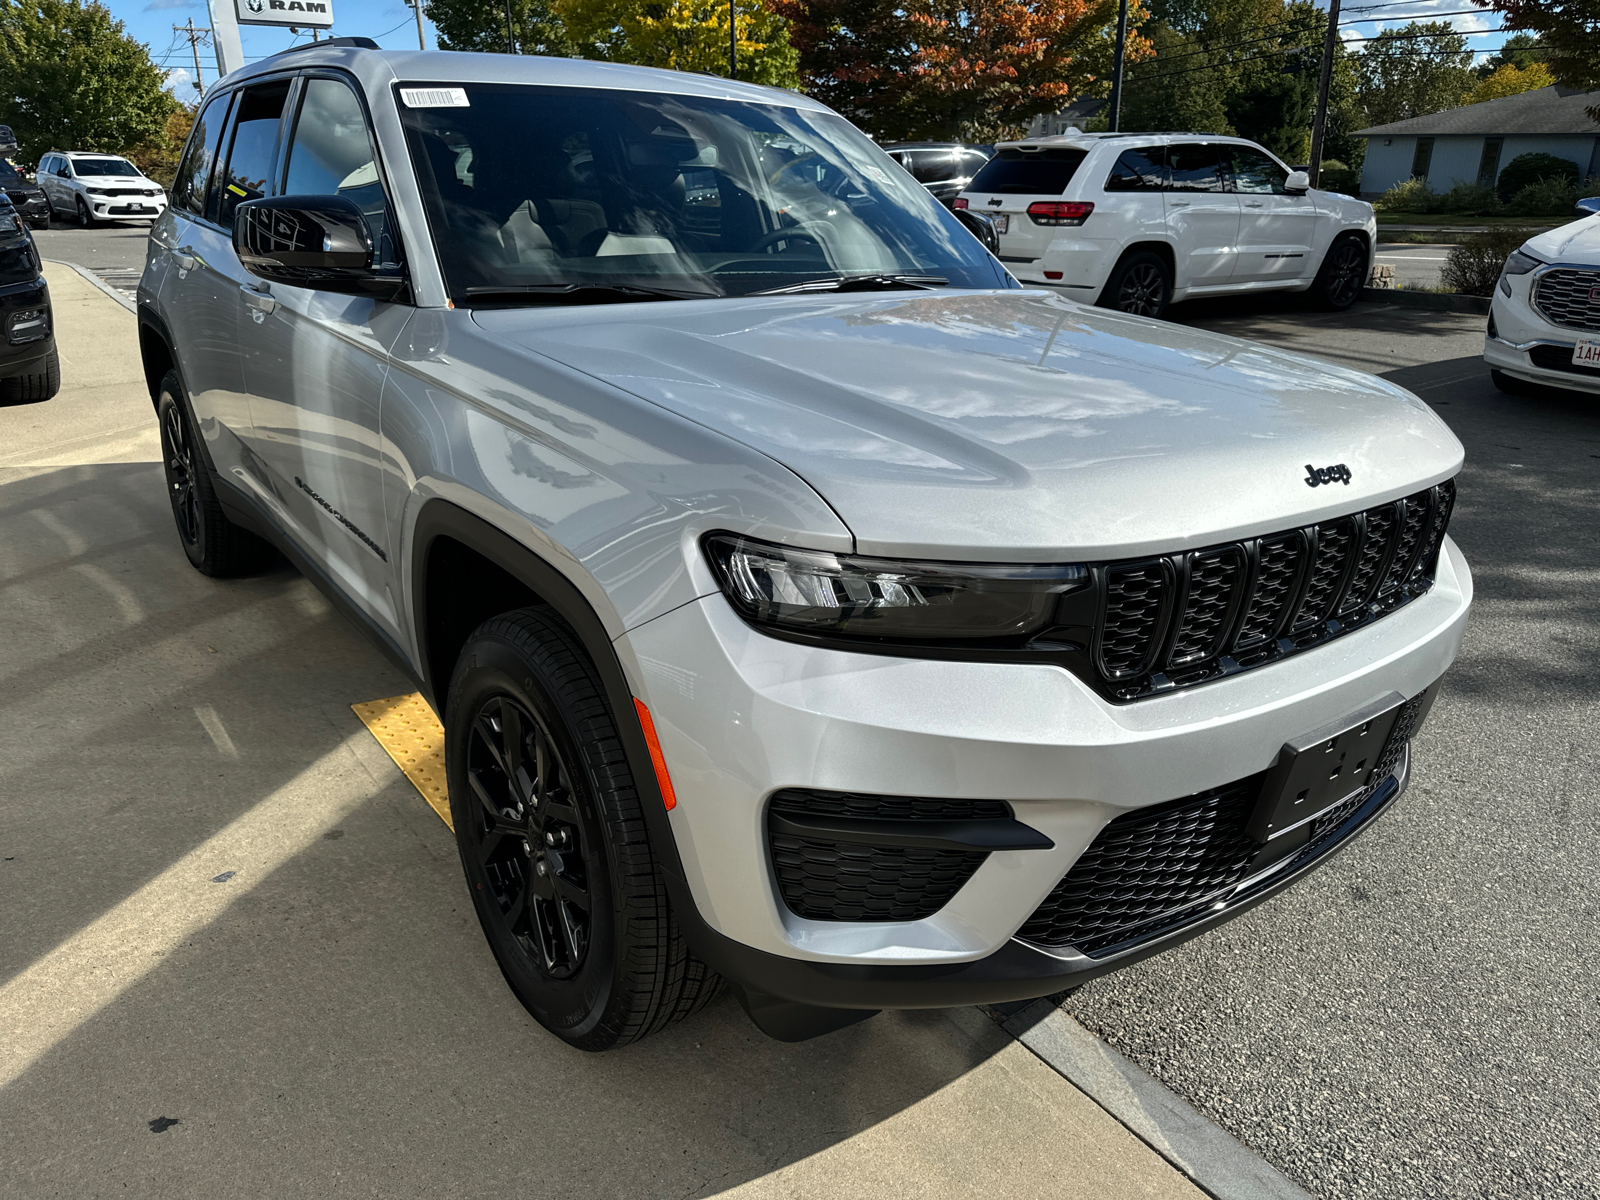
x,y
876,173
434,97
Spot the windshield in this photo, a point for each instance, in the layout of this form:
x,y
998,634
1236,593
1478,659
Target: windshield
x,y
8,173
544,188
103,166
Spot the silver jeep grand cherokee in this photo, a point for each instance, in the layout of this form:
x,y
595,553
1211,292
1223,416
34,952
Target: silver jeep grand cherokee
x,y
808,605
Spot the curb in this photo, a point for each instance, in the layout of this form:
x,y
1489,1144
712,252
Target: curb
x,y
98,282
1208,1155
1438,301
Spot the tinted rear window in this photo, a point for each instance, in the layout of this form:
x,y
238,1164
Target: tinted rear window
x,y
1028,172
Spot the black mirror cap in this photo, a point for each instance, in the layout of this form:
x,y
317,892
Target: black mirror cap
x,y
320,242
981,226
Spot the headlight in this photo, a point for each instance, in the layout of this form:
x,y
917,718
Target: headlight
x,y
95,191
8,222
812,591
1518,262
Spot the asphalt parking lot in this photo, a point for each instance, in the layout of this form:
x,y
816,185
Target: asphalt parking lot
x,y
1418,1019
239,960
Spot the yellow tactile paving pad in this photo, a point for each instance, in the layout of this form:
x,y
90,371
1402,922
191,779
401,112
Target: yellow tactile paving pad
x,y
411,735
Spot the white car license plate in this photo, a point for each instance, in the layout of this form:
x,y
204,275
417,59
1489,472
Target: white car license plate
x,y
1002,224
1586,353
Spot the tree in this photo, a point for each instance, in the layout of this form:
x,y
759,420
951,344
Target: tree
x,y
683,35
1422,68
1521,50
70,76
1277,112
853,55
481,25
1568,32
1509,81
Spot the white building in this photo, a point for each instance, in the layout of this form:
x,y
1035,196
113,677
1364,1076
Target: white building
x,y
1470,144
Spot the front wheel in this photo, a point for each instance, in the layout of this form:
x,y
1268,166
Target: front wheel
x,y
34,386
1342,276
1140,284
553,842
85,217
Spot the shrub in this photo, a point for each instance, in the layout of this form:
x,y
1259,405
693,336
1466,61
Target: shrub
x,y
1473,267
1471,199
1526,169
1412,196
1546,198
1336,177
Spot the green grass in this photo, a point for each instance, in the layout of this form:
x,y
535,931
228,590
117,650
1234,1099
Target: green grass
x,y
1452,221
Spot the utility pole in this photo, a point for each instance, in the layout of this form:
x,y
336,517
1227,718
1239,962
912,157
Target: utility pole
x,y
511,41
733,41
416,5
195,36
1319,124
1115,120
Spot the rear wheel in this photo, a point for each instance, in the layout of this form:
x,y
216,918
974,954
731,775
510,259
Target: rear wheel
x,y
553,840
1343,274
34,386
1140,284
214,544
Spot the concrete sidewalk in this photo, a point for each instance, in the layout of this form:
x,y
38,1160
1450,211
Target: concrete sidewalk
x,y
238,959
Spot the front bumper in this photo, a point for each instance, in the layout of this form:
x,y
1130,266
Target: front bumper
x,y
32,206
1522,339
141,208
741,715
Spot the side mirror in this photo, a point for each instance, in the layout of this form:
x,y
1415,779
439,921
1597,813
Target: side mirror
x,y
981,226
317,242
1298,183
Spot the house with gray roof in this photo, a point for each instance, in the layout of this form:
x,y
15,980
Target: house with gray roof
x,y
1470,144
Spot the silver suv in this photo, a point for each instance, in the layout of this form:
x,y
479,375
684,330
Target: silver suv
x,y
808,605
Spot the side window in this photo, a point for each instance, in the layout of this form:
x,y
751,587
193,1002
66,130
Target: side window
x,y
64,167
189,188
252,151
332,155
1253,171
1195,168
1139,171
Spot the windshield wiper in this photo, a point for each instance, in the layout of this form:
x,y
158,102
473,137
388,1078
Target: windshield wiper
x,y
580,293
857,283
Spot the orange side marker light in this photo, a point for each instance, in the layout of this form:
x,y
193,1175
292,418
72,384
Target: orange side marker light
x,y
657,760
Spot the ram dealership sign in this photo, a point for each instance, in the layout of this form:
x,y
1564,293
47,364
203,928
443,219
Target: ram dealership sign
x,y
303,14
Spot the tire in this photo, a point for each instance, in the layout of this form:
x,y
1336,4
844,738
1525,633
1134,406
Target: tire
x,y
553,840
214,544
33,387
1342,275
85,217
1141,284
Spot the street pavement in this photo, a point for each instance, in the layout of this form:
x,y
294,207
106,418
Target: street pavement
x,y
1419,1018
1414,266
238,958
115,252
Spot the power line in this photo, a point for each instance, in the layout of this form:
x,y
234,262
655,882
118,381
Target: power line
x,y
1138,76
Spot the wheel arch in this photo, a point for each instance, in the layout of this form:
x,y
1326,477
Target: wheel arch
x,y
156,353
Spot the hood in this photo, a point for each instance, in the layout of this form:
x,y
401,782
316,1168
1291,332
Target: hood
x,y
1576,242
1011,425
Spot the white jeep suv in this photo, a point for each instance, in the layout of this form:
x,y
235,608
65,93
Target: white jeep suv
x,y
98,187
1135,221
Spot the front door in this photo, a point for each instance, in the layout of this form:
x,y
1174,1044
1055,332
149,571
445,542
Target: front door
x,y
1202,215
315,364
1276,229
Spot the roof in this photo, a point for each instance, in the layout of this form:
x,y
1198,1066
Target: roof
x,y
1546,110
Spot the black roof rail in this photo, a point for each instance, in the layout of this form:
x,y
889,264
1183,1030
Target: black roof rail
x,y
352,43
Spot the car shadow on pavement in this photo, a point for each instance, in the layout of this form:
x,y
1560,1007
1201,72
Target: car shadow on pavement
x,y
240,958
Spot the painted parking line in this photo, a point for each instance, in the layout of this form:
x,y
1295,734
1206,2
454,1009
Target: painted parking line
x,y
410,733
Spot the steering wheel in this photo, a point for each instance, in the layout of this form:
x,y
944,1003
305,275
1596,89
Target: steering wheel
x,y
790,233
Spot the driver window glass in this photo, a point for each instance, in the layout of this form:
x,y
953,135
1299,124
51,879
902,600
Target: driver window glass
x,y
254,149
189,188
1194,168
331,154
1253,171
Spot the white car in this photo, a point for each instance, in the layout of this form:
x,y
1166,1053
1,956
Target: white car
x,y
1544,319
1135,221
98,187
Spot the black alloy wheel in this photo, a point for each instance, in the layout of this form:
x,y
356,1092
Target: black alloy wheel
x,y
554,841
1140,284
177,454
532,839
1343,274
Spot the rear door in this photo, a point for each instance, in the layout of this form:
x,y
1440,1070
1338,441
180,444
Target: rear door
x,y
315,364
1276,230
1008,183
1202,214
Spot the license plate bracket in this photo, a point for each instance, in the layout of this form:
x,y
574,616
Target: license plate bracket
x,y
1002,223
1586,353
1319,770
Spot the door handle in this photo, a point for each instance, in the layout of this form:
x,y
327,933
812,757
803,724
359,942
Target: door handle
x,y
261,302
1178,203
1254,204
185,259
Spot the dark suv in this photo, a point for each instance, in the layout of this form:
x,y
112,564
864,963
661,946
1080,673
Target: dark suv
x,y
28,367
28,198
944,168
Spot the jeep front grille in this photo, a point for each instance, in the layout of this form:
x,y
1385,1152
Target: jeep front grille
x,y
1570,297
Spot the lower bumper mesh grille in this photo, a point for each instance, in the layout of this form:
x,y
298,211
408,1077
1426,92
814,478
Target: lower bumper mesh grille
x,y
1157,869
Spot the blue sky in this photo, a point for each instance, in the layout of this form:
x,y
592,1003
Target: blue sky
x,y
391,24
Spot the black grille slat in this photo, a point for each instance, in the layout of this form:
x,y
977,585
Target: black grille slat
x,y
1376,543
1411,528
1444,499
1335,541
1135,595
1277,573
1157,869
1214,579
1565,296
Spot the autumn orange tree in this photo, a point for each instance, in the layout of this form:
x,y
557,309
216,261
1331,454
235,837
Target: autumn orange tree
x,y
968,69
